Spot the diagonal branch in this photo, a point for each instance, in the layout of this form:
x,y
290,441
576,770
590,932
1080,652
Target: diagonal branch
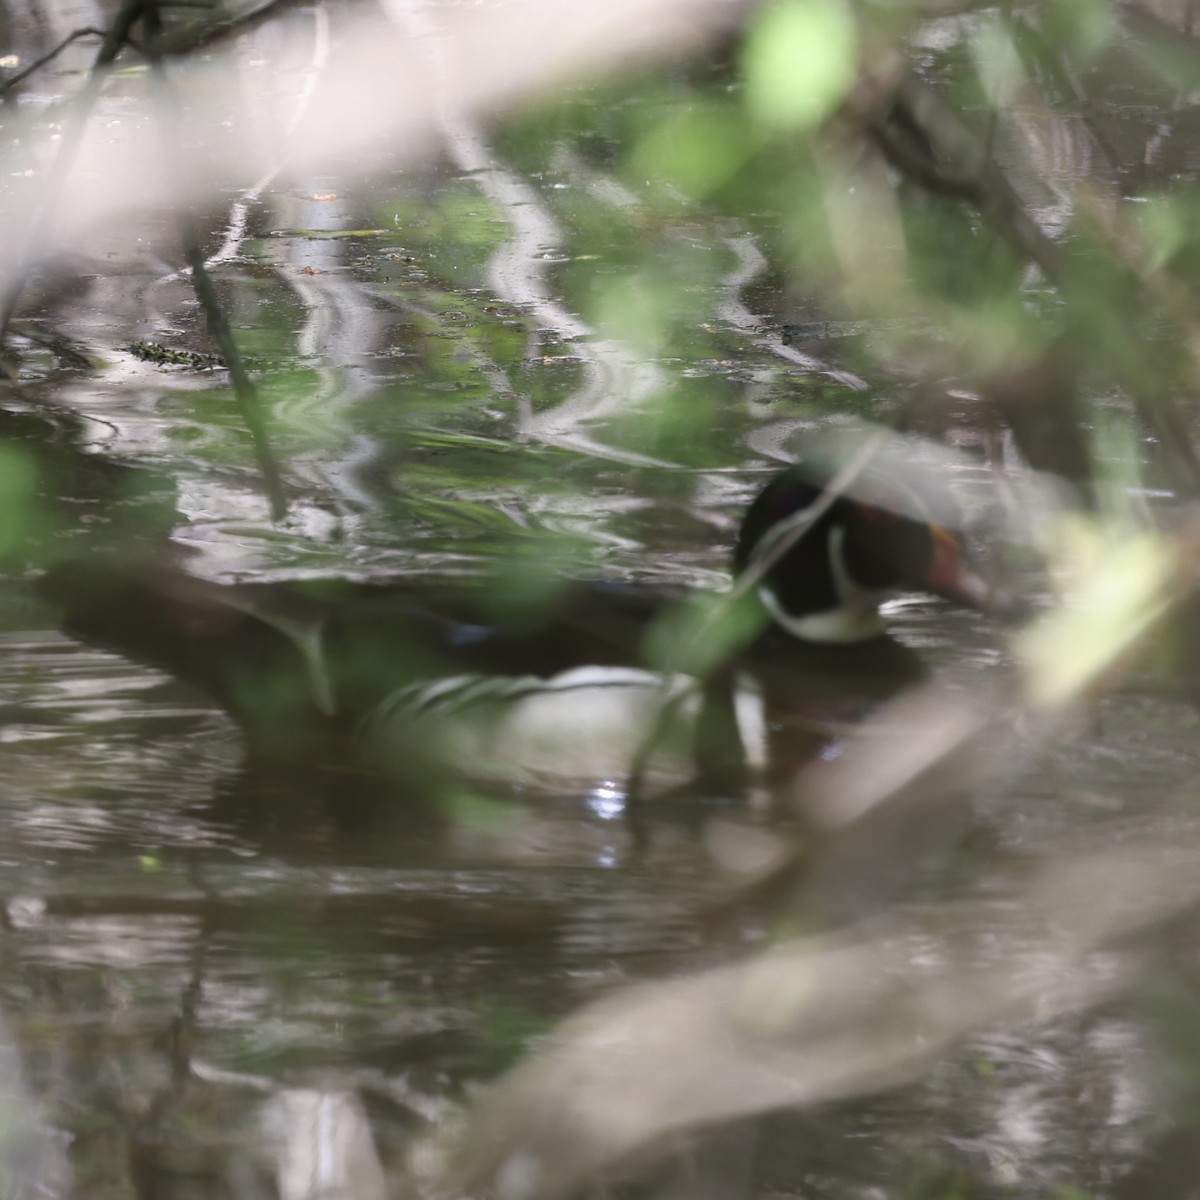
x,y
206,293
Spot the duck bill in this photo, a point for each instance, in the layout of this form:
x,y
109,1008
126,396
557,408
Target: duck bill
x,y
950,577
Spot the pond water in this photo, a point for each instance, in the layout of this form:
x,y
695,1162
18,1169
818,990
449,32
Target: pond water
x,y
220,981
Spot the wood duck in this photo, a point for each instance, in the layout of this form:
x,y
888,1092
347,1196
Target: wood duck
x,y
416,679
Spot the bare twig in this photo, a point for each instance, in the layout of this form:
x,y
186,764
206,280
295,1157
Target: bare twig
x,y
209,33
60,345
12,81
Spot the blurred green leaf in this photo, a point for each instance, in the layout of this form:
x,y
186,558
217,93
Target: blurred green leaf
x,y
19,509
485,814
1082,28
1123,590
1001,72
696,149
635,308
524,582
699,634
1165,222
800,60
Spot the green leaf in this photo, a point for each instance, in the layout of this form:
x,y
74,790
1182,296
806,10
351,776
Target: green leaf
x,y
1001,72
1082,28
696,150
18,499
1119,597
800,60
704,631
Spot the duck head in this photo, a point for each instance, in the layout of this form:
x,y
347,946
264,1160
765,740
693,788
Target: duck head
x,y
825,564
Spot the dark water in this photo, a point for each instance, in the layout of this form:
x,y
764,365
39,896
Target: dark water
x,y
221,983
211,972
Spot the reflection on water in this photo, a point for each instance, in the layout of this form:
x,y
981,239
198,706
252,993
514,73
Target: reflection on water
x,y
224,979
224,982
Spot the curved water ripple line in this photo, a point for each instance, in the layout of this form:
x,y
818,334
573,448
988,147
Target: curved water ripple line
x,y
750,264
615,377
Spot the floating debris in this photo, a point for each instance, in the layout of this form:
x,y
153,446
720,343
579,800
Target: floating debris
x,y
164,356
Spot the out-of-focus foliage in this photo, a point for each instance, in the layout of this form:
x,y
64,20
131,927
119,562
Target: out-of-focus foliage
x,y
800,61
19,510
569,336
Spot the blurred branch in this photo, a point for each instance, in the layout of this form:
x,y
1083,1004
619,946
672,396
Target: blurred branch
x,y
918,127
373,103
11,82
925,139
206,293
857,1011
928,9
30,247
815,1020
211,33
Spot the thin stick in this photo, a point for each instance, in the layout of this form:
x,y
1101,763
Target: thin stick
x,y
206,293
12,81
212,32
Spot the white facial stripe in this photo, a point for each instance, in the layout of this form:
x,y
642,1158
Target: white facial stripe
x,y
834,626
850,592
